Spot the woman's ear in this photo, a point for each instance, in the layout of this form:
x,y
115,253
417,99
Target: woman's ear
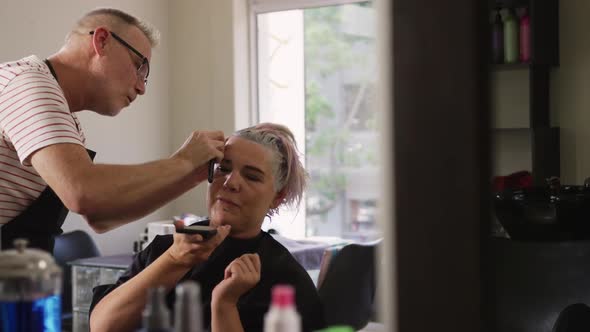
x,y
279,198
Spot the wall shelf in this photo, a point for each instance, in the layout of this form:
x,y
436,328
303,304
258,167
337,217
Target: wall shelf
x,y
544,139
511,66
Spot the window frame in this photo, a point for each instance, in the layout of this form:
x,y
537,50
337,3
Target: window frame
x,y
256,7
265,6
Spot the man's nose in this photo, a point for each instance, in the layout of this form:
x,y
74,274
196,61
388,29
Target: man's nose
x,y
140,86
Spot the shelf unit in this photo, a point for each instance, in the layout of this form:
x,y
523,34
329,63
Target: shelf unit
x,y
544,139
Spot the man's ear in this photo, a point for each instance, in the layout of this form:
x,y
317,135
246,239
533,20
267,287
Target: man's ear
x,y
100,38
279,198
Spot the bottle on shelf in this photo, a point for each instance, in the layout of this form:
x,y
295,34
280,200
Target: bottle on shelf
x,y
525,35
155,315
497,38
510,36
187,309
282,315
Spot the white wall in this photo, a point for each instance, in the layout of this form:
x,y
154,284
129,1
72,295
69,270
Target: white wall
x,y
209,77
570,89
141,132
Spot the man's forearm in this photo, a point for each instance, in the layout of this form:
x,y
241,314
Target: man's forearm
x,y
111,195
117,194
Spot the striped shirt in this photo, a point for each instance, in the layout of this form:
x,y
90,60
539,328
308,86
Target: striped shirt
x,y
33,114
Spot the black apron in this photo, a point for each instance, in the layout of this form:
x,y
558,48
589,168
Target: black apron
x,y
41,222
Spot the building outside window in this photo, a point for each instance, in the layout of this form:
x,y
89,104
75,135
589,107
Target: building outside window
x,y
316,73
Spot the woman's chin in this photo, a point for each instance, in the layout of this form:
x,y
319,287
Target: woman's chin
x,y
220,219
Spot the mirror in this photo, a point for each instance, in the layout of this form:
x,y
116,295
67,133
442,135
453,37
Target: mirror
x,y
539,101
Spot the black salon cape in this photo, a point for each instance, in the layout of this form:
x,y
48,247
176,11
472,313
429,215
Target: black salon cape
x,y
277,267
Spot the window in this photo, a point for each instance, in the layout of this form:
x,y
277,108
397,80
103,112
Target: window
x,y
316,71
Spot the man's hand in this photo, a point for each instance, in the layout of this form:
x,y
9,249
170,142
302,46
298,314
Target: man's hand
x,y
190,249
199,148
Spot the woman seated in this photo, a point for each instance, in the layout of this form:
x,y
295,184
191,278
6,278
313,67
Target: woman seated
x,y
236,268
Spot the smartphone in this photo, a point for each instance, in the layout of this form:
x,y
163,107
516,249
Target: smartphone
x,y
206,232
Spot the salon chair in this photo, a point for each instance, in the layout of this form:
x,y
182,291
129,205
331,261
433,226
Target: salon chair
x,y
347,286
532,282
68,247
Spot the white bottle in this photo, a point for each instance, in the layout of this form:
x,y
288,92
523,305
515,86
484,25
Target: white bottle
x,y
282,315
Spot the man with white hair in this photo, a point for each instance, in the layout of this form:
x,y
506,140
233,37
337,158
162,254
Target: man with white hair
x,y
45,169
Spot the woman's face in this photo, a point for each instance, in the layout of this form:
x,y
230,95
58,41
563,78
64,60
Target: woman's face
x,y
242,191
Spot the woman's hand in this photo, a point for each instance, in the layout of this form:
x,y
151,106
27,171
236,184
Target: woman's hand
x,y
241,275
190,249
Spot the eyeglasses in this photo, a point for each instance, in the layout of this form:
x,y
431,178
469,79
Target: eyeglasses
x,y
143,71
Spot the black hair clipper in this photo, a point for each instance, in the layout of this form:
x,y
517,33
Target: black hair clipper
x,y
211,170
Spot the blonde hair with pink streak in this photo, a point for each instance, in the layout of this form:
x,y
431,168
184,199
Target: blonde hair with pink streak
x,y
289,174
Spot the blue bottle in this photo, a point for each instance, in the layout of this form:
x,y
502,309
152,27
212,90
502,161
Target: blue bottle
x,y
30,284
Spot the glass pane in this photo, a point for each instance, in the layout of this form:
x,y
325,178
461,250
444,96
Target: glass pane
x,y
317,75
